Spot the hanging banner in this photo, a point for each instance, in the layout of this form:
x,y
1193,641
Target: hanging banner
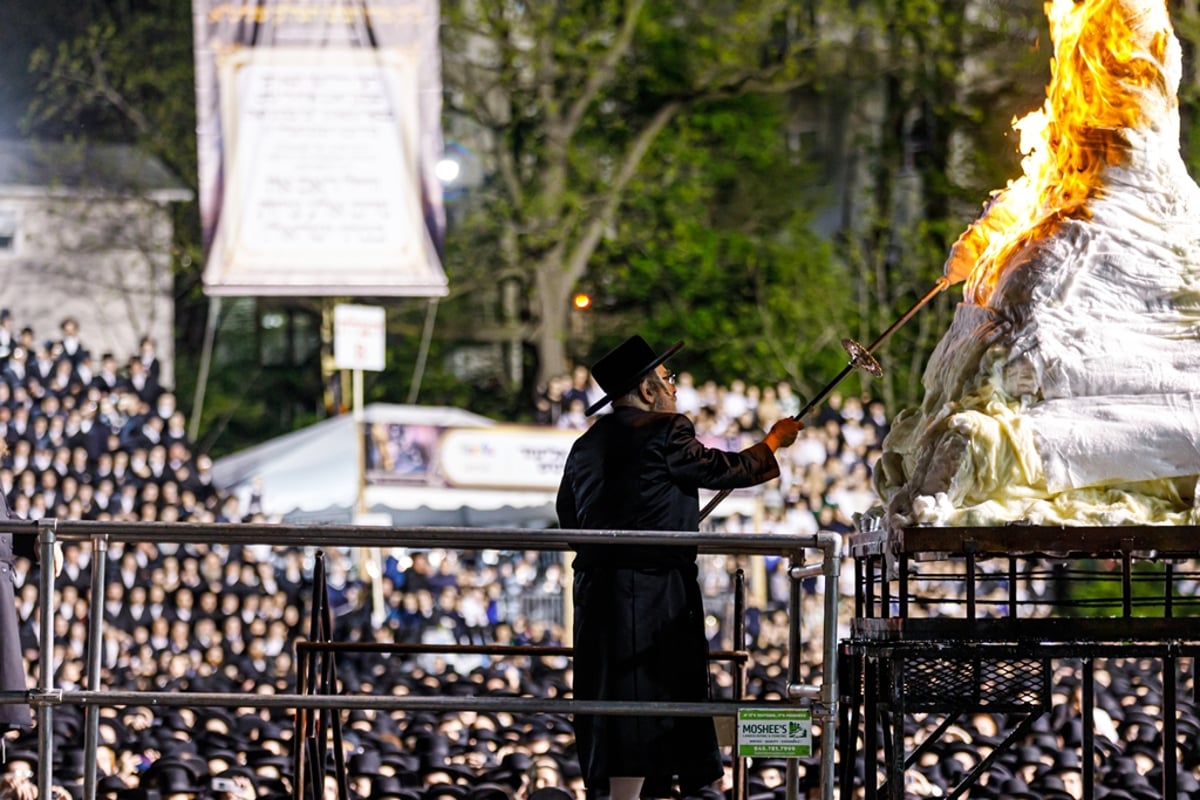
x,y
318,134
513,457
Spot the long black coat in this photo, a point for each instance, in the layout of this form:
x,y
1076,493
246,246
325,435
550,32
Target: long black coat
x,y
639,620
12,668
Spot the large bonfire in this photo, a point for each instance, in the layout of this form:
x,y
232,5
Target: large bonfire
x,y
1067,389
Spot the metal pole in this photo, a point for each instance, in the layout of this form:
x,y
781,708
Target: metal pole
x,y
1170,727
1087,710
739,676
859,357
795,642
45,713
210,333
370,558
826,710
832,553
95,643
414,390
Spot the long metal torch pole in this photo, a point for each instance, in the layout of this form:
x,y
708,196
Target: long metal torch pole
x,y
841,376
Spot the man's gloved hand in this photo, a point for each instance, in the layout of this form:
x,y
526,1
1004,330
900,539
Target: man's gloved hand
x,y
783,433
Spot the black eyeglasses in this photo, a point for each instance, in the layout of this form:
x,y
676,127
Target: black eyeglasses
x,y
669,378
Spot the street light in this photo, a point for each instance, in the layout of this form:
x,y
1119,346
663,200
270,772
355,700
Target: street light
x,y
447,170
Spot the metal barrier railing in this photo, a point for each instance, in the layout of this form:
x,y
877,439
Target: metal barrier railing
x,y
947,624
822,699
318,675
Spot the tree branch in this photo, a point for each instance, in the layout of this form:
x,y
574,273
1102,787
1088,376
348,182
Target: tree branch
x,y
109,93
594,229
604,72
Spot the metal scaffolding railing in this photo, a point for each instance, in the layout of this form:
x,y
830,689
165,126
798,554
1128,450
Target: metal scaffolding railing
x,y
948,624
821,699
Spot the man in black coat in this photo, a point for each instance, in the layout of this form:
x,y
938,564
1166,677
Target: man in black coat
x,y
12,668
639,619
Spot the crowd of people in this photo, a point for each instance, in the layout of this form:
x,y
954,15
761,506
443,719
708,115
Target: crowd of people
x,y
103,439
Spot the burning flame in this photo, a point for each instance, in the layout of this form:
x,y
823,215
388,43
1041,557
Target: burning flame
x,y
1109,66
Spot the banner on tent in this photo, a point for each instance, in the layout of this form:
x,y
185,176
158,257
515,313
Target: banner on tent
x,y
318,135
498,457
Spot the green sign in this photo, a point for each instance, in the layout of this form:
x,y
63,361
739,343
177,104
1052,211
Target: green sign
x,y
783,734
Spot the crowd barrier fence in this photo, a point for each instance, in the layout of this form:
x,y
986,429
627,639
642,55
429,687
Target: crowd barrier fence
x,y
821,699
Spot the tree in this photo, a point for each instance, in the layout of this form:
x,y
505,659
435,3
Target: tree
x,y
716,246
1186,18
942,80
28,25
570,98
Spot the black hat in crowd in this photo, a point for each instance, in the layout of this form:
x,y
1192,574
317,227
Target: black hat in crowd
x,y
551,793
1017,789
389,787
175,774
489,791
367,762
111,786
622,367
71,761
452,791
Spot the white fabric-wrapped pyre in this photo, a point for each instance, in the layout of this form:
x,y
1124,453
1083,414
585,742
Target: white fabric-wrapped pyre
x,y
1067,389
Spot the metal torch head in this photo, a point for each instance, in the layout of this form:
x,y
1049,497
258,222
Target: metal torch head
x,y
861,358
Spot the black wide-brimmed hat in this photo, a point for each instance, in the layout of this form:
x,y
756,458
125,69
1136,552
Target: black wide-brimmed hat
x,y
622,367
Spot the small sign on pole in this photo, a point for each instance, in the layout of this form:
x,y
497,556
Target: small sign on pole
x,y
359,337
786,733
359,343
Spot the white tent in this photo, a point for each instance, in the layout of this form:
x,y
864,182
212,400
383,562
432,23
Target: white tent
x,y
312,476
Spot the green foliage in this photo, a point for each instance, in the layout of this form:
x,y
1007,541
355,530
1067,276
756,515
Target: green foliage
x,y
1099,591
575,119
1186,19
126,77
716,247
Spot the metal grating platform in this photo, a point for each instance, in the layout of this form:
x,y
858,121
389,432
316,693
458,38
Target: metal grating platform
x,y
957,621
946,683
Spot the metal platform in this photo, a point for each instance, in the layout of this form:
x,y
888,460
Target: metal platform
x,y
953,621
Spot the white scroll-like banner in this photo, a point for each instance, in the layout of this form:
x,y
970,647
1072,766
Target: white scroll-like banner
x,y
319,133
